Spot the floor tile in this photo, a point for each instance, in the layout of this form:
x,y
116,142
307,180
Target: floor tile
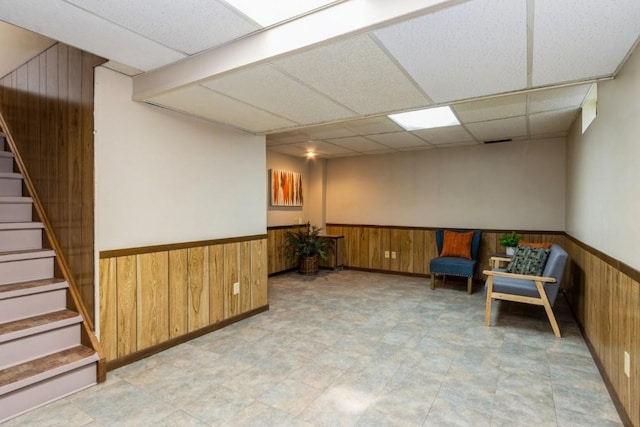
x,y
352,348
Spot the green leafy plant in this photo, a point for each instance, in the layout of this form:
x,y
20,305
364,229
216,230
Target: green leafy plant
x,y
510,240
305,241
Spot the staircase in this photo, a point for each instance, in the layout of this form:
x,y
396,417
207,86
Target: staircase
x,y
41,355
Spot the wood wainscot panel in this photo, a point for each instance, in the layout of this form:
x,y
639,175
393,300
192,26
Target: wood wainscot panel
x,y
259,295
127,284
606,302
152,299
231,276
198,273
178,293
216,283
108,288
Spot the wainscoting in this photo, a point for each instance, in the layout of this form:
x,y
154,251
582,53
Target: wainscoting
x,y
414,247
278,259
151,297
605,297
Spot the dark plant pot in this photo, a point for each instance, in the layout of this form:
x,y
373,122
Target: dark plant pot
x,y
308,265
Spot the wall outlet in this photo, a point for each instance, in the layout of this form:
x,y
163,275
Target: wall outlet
x,y
236,288
386,254
627,364
393,255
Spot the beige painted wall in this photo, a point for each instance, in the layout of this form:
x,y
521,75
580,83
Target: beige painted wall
x,y
517,185
163,177
603,170
17,46
287,215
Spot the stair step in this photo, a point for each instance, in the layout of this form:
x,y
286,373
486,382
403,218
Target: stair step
x,y
15,290
6,161
28,299
10,184
15,209
20,236
37,336
22,266
43,380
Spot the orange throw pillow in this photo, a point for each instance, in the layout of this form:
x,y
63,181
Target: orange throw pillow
x,y
457,244
535,245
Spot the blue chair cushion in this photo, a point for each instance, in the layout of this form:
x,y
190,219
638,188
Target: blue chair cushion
x,y
452,266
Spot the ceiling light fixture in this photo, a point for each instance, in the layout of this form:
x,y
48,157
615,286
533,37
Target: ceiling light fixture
x,y
267,13
311,155
426,119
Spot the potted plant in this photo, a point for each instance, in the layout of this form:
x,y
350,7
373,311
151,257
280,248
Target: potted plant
x,y
510,241
308,246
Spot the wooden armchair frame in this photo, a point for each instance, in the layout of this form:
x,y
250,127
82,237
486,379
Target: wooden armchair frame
x,y
541,300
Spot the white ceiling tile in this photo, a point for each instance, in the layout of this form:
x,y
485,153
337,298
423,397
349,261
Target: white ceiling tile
x,y
203,102
472,49
269,89
185,25
578,39
378,152
276,10
327,131
289,137
499,129
552,121
323,147
357,143
65,22
398,139
418,148
288,149
444,135
357,74
458,144
491,109
372,125
556,99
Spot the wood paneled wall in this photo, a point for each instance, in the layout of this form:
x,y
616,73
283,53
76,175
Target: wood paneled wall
x,y
414,247
277,250
149,296
48,105
605,296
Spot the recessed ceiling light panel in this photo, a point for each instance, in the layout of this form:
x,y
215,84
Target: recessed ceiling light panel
x,y
426,119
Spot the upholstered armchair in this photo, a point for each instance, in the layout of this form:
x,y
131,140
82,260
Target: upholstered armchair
x,y
538,289
458,255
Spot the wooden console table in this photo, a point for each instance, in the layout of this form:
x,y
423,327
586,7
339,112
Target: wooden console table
x,y
335,252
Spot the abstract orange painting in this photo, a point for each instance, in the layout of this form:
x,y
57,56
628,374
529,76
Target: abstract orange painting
x,y
286,188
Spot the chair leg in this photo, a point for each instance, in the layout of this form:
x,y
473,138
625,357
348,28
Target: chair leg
x,y
547,308
487,313
433,281
469,285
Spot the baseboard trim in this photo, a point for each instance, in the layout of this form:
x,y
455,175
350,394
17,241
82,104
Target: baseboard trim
x,y
139,355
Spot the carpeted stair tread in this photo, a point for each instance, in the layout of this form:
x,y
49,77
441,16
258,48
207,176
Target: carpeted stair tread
x,y
50,362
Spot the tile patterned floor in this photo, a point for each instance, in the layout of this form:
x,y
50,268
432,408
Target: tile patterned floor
x,y
350,348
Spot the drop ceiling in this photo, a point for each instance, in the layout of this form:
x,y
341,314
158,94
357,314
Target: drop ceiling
x,y
325,78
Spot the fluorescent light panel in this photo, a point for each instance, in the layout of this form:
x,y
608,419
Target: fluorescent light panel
x,y
271,12
425,119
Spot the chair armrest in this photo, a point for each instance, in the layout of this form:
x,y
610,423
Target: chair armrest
x,y
495,261
519,276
